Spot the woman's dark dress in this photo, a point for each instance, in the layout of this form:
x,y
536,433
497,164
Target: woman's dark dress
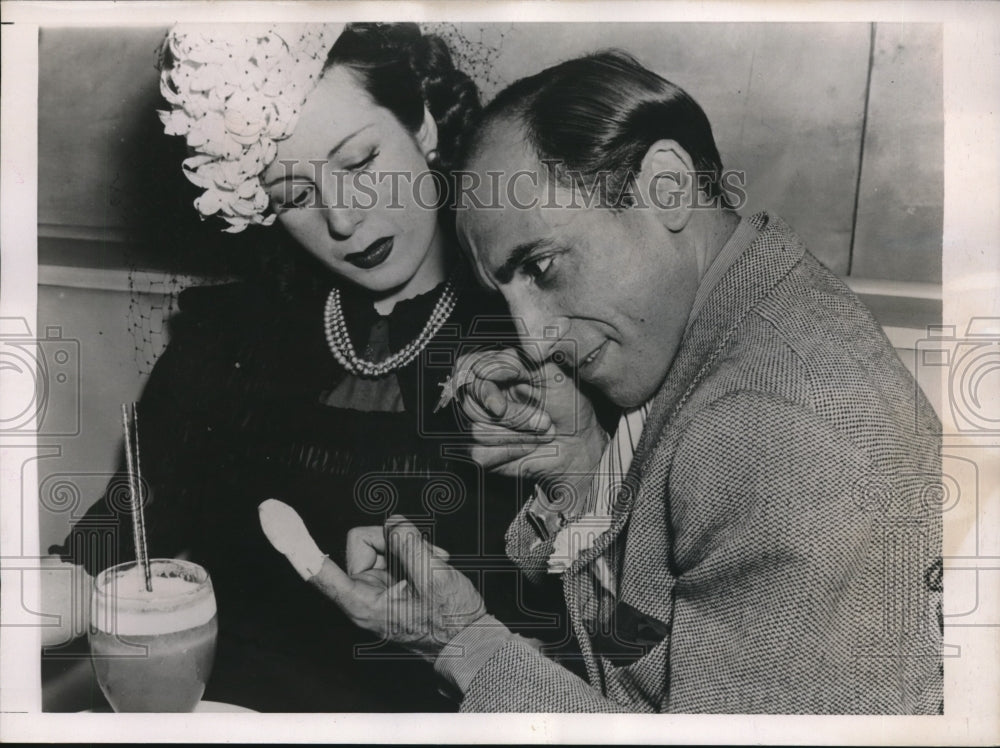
x,y
248,403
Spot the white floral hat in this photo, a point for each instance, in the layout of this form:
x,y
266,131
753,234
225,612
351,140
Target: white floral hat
x,y
235,89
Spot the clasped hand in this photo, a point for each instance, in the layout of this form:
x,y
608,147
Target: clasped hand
x,y
528,419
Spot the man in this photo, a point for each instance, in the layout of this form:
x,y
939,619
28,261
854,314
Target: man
x,y
767,543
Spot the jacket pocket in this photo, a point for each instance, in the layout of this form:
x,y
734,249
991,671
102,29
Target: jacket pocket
x,y
635,659
628,635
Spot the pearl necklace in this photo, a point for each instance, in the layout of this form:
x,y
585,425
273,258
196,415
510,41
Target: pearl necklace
x,y
339,341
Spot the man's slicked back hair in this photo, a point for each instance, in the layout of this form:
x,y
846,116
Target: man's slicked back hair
x,y
594,118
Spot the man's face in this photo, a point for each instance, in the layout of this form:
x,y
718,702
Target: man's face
x,y
609,291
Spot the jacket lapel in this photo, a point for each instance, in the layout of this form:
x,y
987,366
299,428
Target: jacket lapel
x,y
770,257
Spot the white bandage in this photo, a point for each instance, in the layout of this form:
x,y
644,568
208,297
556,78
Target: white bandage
x,y
287,532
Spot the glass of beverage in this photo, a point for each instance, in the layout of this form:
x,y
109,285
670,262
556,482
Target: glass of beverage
x,y
153,651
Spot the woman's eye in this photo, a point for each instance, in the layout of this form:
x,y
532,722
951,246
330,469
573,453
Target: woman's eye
x,y
301,199
364,163
538,267
298,199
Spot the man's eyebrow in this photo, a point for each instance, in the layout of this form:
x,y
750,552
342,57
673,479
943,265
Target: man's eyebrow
x,y
332,152
515,259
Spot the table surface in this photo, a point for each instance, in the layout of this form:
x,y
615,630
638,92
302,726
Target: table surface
x,y
203,707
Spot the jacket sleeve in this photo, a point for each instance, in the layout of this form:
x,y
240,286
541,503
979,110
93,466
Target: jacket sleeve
x,y
516,677
498,672
779,565
800,561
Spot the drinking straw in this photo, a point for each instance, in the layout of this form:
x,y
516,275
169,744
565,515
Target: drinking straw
x,y
130,424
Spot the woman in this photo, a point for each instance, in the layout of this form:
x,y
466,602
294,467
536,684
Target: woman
x,y
316,385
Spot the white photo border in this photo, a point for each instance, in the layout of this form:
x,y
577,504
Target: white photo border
x,y
971,249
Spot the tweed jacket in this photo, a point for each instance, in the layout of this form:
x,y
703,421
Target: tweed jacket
x,y
773,546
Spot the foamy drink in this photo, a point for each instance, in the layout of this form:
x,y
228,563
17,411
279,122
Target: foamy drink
x,y
153,651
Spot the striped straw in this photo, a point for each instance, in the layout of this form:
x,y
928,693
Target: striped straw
x,y
130,425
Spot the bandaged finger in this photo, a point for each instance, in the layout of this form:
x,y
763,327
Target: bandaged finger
x,y
287,532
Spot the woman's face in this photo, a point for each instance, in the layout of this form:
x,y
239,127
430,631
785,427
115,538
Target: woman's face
x,y
345,186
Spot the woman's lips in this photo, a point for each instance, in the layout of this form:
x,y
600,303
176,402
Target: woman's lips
x,y
375,254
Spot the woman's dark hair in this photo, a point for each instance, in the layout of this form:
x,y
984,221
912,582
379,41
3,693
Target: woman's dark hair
x,y
595,117
403,70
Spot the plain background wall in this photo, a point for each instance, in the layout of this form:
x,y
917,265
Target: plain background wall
x,y
839,128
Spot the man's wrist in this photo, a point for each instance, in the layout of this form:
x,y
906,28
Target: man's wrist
x,y
596,444
588,453
467,653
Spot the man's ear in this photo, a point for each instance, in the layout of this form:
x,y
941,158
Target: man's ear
x,y
427,135
667,177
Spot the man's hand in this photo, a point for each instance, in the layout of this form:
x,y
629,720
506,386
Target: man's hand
x,y
397,584
528,420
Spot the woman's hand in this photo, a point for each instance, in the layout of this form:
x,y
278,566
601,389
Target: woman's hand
x,y
397,584
528,420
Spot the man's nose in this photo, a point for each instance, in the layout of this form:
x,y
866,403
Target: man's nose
x,y
538,328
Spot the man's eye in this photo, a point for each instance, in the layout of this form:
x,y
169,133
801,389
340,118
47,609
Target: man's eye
x,y
537,268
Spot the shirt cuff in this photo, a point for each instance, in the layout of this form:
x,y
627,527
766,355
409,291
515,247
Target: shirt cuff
x,y
469,650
